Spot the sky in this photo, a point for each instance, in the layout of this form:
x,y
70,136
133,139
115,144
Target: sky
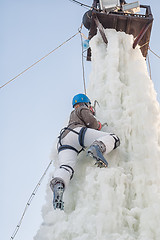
x,y
36,105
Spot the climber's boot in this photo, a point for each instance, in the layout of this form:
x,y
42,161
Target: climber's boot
x,y
96,151
57,187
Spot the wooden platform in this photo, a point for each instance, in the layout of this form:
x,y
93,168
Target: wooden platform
x,y
139,25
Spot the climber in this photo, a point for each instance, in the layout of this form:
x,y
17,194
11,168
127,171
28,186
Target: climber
x,y
83,131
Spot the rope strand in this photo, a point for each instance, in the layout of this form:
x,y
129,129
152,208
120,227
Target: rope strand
x,y
149,66
38,60
153,52
83,72
83,5
29,202
144,44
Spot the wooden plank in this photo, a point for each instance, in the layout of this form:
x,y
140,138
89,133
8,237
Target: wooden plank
x,y
141,34
101,29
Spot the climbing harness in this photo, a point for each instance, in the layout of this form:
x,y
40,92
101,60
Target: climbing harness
x,y
67,166
62,147
80,134
117,140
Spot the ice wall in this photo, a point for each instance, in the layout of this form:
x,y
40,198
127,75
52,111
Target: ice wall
x,y
121,202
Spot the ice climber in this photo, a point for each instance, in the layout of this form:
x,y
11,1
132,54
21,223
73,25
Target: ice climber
x,y
83,131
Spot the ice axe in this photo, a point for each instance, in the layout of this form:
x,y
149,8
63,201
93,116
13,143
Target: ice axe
x,y
104,124
93,108
96,102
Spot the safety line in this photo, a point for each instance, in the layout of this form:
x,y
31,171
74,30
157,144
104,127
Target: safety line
x,y
84,82
149,66
82,4
153,52
29,202
82,34
144,44
39,60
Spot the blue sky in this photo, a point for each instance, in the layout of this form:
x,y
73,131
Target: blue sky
x,y
36,105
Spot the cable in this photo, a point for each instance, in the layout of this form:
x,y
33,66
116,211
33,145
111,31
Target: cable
x,y
29,202
82,4
153,52
149,66
39,60
144,44
84,82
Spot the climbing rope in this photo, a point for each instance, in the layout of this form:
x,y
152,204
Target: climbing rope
x,y
83,72
29,202
144,44
39,60
153,52
149,66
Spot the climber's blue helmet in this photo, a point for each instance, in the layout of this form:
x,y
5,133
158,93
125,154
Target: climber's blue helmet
x,y
80,98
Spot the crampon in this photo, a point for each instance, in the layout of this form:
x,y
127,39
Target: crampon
x,y
94,152
58,196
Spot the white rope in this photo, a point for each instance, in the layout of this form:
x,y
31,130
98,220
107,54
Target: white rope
x,y
29,202
83,72
38,61
154,52
149,66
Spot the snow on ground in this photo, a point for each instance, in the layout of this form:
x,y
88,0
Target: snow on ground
x,y
121,202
